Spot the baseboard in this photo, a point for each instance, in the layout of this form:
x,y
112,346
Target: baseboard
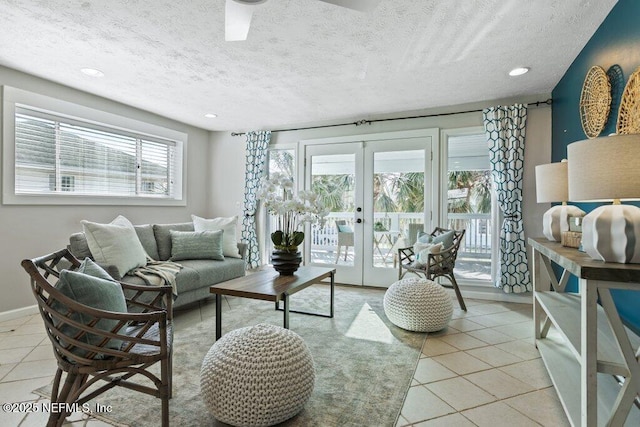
x,y
18,312
478,291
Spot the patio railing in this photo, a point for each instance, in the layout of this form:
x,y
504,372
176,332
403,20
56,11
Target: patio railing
x,y
477,237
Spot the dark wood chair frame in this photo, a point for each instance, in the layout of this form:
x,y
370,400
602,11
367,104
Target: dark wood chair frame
x,y
147,336
437,265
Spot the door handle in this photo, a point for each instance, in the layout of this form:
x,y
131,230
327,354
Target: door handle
x,y
359,220
359,210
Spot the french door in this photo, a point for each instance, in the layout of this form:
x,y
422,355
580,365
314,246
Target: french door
x,y
374,190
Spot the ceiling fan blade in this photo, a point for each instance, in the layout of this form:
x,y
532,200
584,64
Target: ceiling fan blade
x,y
360,5
237,20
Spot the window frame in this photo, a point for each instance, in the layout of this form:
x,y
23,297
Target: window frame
x,y
495,210
58,109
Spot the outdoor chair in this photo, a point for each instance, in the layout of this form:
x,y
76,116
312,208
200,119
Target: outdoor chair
x,y
88,352
437,265
345,238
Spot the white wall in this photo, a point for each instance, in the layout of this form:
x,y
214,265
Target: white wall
x,y
537,152
30,231
228,152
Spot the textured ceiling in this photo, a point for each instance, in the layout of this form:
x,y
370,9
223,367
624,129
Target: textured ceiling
x,y
304,61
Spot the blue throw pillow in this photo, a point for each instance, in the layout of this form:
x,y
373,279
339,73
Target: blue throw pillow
x,y
445,238
95,292
423,237
344,228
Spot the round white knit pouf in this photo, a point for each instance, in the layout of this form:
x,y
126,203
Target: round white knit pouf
x,y
418,305
257,376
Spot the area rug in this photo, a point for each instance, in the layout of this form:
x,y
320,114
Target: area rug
x,y
364,364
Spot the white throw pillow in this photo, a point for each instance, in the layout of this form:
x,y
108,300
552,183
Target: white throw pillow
x,y
422,251
227,225
115,244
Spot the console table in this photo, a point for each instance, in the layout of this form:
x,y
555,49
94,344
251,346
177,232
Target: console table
x,y
591,344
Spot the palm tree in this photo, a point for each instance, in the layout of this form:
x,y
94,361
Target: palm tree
x,y
482,192
409,189
478,191
332,189
384,199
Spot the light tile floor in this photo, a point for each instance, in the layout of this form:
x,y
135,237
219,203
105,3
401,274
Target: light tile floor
x,y
483,370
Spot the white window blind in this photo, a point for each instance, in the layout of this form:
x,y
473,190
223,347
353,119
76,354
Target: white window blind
x,y
57,155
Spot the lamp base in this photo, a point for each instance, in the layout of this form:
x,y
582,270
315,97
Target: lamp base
x,y
612,233
556,220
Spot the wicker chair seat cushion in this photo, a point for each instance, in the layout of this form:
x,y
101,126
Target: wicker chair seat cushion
x,y
152,334
418,305
257,376
437,270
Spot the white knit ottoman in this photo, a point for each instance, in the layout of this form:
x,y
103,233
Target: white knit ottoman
x,y
257,376
418,305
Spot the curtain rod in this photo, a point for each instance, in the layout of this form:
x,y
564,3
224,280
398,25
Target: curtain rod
x,y
368,122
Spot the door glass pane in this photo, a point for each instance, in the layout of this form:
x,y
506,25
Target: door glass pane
x,y
469,204
333,180
398,200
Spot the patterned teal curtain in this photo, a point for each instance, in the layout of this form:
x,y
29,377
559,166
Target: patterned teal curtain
x,y
505,131
257,145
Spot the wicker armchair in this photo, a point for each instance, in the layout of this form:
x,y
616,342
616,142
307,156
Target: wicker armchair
x,y
146,337
437,265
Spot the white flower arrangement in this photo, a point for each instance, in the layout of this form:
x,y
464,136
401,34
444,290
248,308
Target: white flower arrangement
x,y
291,210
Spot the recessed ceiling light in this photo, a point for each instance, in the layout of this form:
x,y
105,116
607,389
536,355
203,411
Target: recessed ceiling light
x,y
92,72
518,71
211,116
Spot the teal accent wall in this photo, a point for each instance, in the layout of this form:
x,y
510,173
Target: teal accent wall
x,y
616,42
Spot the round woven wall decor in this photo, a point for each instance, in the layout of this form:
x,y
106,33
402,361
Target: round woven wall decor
x,y
629,115
595,101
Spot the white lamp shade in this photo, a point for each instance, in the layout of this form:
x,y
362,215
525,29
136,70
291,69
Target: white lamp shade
x,y
604,169
551,183
552,186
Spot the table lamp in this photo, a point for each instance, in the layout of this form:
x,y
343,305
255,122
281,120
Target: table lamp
x,y
551,186
605,169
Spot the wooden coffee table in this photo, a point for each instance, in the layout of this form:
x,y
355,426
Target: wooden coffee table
x,y
269,285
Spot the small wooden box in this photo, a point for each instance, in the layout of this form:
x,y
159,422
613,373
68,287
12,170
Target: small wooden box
x,y
571,239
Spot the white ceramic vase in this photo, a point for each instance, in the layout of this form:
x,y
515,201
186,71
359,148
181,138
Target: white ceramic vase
x,y
612,233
